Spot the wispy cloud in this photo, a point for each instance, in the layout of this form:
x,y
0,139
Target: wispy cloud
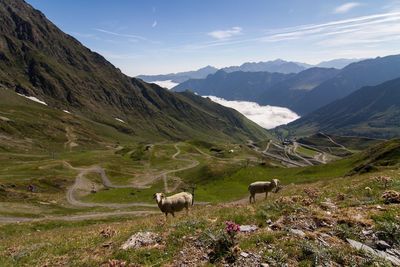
x,y
346,7
266,116
154,24
113,55
377,28
122,35
225,34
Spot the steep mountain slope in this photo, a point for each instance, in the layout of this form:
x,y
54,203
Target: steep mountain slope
x,y
37,59
370,111
235,85
180,76
288,92
364,73
278,65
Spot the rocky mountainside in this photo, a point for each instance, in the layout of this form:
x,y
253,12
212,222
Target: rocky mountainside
x,y
372,111
38,59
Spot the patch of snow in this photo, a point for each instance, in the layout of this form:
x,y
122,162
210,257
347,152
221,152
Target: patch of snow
x,y
166,84
4,118
266,116
66,111
34,99
119,120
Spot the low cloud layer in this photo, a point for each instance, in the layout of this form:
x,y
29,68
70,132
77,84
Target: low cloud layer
x,y
266,116
166,84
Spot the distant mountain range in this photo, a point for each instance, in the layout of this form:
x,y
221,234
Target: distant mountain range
x,y
265,88
180,76
339,63
372,111
235,85
303,92
349,79
278,65
37,59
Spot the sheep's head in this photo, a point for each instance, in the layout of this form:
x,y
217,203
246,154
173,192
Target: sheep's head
x,y
158,197
276,185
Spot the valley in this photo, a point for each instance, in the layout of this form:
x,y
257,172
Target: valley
x,y
251,163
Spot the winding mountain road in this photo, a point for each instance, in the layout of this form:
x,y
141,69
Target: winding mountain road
x,y
80,183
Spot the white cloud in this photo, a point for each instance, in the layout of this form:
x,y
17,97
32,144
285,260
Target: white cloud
x,y
266,116
166,84
345,7
154,24
225,34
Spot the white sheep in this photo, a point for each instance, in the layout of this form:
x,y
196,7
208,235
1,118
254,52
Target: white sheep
x,y
262,187
174,203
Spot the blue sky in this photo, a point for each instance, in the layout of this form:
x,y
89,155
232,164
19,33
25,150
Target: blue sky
x,y
159,36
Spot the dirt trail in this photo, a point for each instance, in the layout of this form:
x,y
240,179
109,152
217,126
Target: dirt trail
x,y
79,217
335,143
295,146
71,138
79,184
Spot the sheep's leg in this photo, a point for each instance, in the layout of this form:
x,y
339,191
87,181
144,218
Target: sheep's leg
x,y
266,195
252,198
173,214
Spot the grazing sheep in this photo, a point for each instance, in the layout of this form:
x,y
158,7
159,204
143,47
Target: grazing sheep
x,y
262,187
173,203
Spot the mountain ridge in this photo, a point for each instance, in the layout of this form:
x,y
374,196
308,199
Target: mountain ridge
x,y
38,59
372,111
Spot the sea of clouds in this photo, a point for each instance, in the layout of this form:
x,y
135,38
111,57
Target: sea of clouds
x,y
266,116
166,84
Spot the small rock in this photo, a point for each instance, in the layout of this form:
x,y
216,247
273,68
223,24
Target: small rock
x,y
107,245
367,232
244,254
264,265
394,252
382,245
248,228
141,239
269,221
297,232
328,205
357,245
324,235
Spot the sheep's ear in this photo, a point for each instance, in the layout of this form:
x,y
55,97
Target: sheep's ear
x,y
154,196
